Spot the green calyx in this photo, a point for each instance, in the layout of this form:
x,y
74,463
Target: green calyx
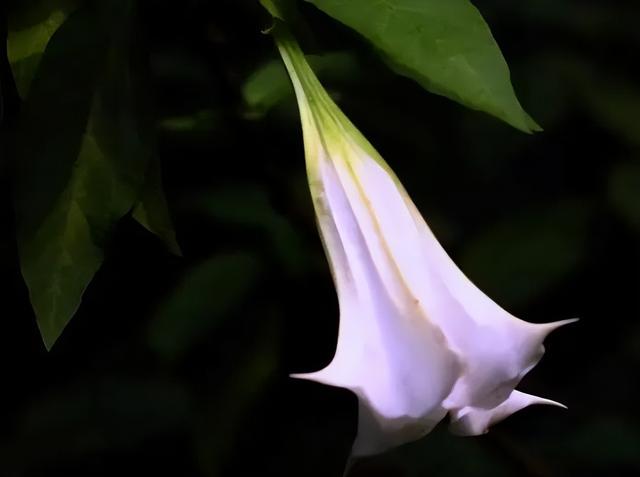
x,y
312,97
324,124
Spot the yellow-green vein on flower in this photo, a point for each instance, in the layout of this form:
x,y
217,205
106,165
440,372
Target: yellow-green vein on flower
x,y
417,339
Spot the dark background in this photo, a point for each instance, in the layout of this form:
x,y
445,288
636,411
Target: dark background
x,y
179,365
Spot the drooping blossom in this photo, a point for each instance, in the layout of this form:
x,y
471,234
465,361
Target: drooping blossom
x,y
417,339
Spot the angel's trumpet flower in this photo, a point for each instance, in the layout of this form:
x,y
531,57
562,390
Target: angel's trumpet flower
x,y
417,339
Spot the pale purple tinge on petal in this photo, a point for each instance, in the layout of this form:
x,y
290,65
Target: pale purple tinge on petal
x,y
470,421
417,338
384,335
496,348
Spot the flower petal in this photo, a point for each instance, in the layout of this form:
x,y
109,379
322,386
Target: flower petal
x,y
417,338
472,421
389,354
498,349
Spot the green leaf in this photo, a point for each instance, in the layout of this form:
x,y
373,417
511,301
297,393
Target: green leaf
x,y
29,32
445,45
273,7
152,211
249,206
280,9
205,122
80,158
266,87
612,100
520,258
206,295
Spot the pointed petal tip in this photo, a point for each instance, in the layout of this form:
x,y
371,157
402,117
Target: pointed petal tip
x,y
549,402
476,421
316,376
570,320
547,328
305,376
534,400
558,324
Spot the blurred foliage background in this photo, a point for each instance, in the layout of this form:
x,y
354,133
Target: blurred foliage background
x,y
178,365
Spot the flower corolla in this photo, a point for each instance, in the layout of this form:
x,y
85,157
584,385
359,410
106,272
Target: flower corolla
x,y
417,339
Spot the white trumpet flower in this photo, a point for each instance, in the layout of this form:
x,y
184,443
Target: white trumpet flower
x,y
417,339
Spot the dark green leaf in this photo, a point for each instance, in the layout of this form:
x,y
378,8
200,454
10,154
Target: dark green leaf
x,y
445,45
204,122
206,295
273,7
29,33
280,9
266,87
520,258
28,37
152,211
613,101
249,206
81,160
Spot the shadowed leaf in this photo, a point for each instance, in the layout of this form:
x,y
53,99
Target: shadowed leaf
x,y
152,211
27,39
201,301
80,159
520,258
249,206
29,33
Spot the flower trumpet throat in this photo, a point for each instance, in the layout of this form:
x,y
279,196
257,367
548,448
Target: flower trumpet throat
x,y
417,339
